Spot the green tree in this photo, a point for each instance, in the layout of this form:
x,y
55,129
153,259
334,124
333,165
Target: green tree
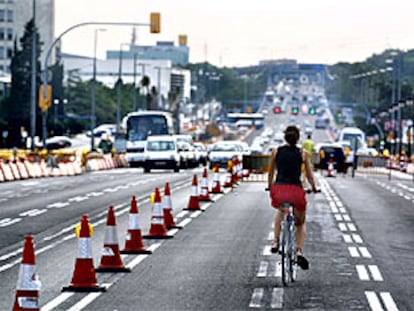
x,y
17,104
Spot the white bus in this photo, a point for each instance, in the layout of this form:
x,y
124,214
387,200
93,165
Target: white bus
x,y
138,126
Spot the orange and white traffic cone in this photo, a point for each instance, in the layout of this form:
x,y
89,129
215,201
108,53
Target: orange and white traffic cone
x,y
84,276
158,230
204,193
111,260
167,208
330,168
216,187
193,203
133,241
28,284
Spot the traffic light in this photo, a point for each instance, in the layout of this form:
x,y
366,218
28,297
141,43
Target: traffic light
x,y
155,21
295,110
44,103
312,111
277,109
339,113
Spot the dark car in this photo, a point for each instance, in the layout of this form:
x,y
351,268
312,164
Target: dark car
x,y
327,151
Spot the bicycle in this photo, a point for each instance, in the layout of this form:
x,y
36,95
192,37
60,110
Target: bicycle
x,y
287,243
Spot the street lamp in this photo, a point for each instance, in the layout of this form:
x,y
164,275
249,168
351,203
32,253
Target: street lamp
x,y
93,89
119,89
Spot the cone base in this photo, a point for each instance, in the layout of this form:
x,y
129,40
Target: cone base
x,y
193,209
205,200
136,252
113,269
84,289
216,192
174,227
158,237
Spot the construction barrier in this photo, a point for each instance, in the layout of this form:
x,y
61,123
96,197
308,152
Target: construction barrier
x,y
257,165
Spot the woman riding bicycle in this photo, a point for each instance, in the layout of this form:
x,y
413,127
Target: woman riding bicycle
x,y
287,187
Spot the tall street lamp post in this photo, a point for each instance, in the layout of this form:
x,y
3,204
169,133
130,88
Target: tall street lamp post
x,y
93,90
119,89
409,102
33,82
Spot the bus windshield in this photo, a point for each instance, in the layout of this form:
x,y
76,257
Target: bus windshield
x,y
139,127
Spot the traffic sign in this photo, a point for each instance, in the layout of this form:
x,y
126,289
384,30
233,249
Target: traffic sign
x,y
44,103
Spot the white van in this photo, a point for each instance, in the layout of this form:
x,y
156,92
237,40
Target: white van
x,y
162,152
351,133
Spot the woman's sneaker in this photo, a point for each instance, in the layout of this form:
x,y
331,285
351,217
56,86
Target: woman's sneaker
x,y
302,262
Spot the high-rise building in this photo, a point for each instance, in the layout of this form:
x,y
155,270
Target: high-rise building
x,y
14,15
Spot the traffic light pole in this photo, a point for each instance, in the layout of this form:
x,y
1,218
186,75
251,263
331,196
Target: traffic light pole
x,y
49,51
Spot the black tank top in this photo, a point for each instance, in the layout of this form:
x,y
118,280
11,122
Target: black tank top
x,y
288,165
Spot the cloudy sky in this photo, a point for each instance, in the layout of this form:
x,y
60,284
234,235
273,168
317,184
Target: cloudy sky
x,y
239,33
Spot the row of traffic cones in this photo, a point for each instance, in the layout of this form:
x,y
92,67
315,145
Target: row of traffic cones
x,y
84,276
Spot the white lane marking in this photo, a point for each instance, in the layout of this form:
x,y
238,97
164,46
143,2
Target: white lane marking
x,y
262,269
388,301
342,226
84,302
173,231
11,254
267,251
339,203
63,231
33,212
338,217
109,190
184,222
375,272
364,252
334,209
278,269
353,251
256,300
140,258
407,197
196,214
94,194
351,227
346,217
3,200
182,214
58,205
205,206
78,199
373,301
362,272
342,210
56,301
357,238
10,222
347,238
270,236
277,298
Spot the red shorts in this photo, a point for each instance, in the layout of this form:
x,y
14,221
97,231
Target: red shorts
x,y
288,193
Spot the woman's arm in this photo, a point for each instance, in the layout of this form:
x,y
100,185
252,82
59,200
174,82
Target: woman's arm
x,y
272,168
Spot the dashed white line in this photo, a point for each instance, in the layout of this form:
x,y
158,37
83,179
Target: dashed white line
x,y
277,298
342,226
362,272
357,238
347,238
388,301
351,227
364,252
184,222
353,251
262,269
58,205
9,221
84,302
56,301
375,272
256,300
373,301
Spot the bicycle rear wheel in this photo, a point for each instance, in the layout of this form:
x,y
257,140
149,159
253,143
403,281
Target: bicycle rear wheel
x,y
293,268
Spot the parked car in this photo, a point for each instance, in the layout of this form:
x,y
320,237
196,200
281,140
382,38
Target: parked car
x,y
56,142
201,152
223,151
103,129
188,153
161,152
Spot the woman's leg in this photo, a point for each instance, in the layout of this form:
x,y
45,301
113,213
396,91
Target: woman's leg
x,y
300,232
276,228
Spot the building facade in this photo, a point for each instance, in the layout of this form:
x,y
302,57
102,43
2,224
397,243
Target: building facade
x,y
14,15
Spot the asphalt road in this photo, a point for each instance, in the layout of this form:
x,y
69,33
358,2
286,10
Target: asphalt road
x,y
360,244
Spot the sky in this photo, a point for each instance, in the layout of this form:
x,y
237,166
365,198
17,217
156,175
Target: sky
x,y
244,32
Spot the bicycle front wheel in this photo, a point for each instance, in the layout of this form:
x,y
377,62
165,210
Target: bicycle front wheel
x,y
285,262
